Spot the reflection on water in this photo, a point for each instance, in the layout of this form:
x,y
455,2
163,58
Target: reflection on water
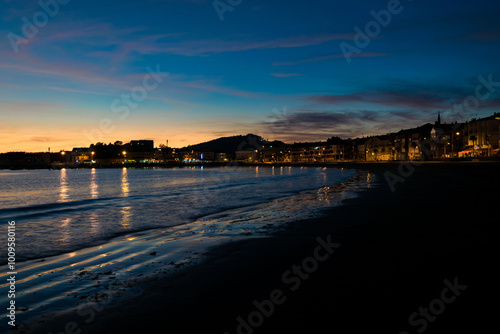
x,y
94,222
63,281
125,210
65,230
94,191
125,185
105,202
126,216
63,188
93,216
321,178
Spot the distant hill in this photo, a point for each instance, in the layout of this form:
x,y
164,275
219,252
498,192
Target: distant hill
x,y
229,144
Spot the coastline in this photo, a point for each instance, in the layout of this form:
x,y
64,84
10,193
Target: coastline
x,y
395,253
122,266
210,164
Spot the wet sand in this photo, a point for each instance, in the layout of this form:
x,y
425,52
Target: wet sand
x,y
396,250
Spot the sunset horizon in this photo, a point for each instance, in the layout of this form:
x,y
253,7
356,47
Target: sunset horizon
x,y
248,166
72,77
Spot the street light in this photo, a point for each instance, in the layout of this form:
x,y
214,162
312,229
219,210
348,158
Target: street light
x,y
92,156
124,156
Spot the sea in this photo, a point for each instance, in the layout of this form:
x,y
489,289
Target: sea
x,y
84,235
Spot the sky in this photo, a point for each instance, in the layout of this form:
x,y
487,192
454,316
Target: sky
x,y
74,72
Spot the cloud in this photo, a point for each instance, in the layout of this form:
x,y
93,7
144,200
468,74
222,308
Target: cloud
x,y
223,90
491,103
45,139
62,89
306,125
87,74
387,98
286,75
373,111
216,46
327,57
30,107
300,126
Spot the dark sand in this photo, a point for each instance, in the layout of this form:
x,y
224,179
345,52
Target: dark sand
x,y
396,251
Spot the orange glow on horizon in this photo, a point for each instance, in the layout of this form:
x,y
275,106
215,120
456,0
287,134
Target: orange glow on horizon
x,y
23,142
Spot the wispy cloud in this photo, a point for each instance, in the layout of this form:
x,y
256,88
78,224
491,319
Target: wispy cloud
x,y
30,107
387,98
45,139
307,126
286,75
328,57
304,125
215,46
62,89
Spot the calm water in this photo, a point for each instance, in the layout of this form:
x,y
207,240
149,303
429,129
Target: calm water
x,y
58,211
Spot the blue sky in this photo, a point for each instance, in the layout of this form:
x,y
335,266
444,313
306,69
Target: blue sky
x,y
274,68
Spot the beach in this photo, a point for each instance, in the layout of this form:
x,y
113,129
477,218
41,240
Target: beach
x,y
367,265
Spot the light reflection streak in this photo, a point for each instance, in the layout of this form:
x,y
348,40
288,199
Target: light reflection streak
x,y
63,188
65,230
125,210
125,185
94,193
126,216
321,179
94,188
94,222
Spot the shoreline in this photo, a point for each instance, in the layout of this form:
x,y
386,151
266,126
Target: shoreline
x,y
344,164
194,219
393,258
192,241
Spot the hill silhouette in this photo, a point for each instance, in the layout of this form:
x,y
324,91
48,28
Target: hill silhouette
x,y
229,144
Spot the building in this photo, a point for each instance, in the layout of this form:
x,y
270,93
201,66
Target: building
x,y
139,151
198,156
379,148
140,145
481,137
317,152
222,157
23,159
249,156
448,139
80,155
414,143
274,152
